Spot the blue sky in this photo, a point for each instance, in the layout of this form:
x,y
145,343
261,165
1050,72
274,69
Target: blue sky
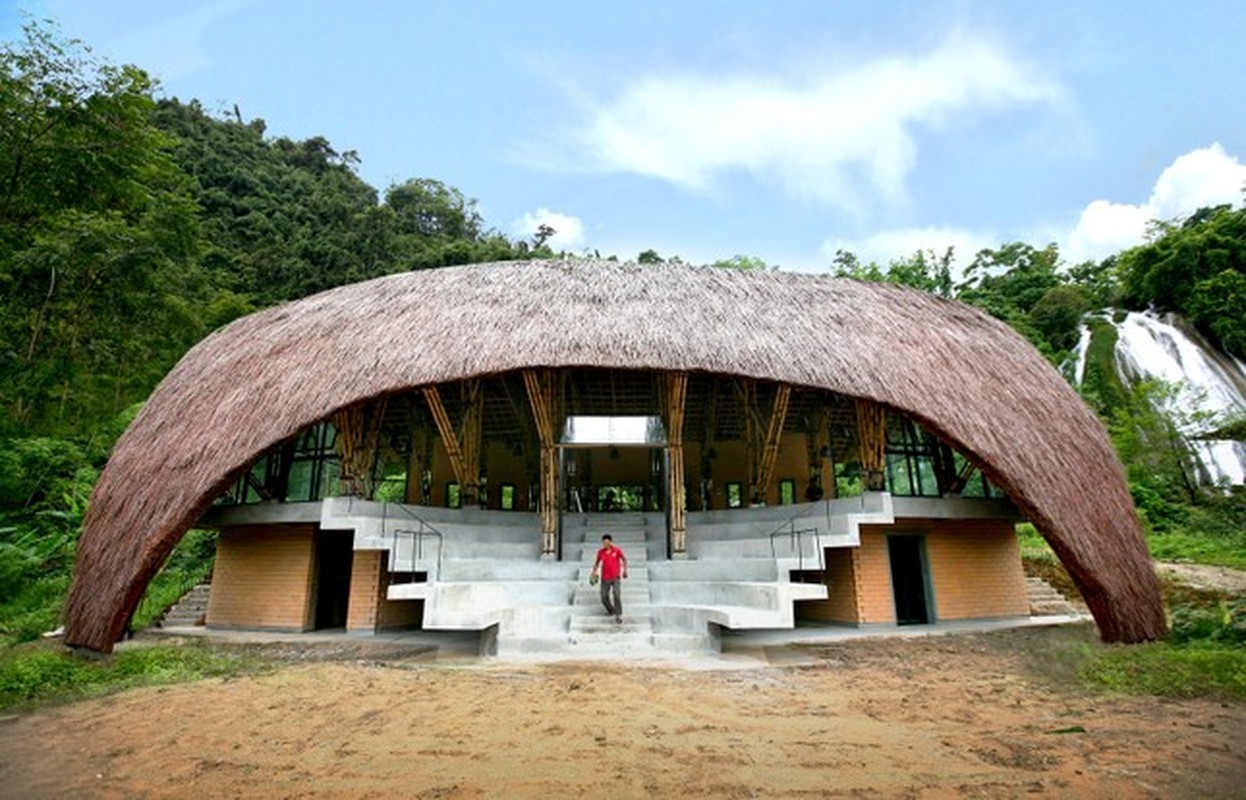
x,y
780,130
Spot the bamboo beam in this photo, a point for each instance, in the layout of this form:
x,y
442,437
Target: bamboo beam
x,y
449,440
774,436
676,386
359,429
540,388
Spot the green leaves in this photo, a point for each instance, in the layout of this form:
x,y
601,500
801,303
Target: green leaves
x,y
1197,268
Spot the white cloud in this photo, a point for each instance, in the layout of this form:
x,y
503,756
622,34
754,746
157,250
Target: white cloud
x,y
1204,177
568,230
886,246
838,134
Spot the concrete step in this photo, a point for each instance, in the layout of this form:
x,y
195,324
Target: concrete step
x,y
190,610
1046,601
607,626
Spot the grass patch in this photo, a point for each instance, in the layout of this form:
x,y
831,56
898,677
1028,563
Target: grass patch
x,y
1199,549
1198,669
1070,658
43,673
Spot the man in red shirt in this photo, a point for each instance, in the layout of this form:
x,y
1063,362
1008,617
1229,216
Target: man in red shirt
x,y
612,564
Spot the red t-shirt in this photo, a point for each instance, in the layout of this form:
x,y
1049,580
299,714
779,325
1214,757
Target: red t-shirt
x,y
612,562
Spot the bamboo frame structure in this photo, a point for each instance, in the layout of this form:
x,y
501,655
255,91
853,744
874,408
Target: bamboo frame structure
x,y
449,439
818,444
675,391
872,444
540,386
774,433
358,431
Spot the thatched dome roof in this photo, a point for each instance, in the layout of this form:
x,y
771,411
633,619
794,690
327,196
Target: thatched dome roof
x,y
967,377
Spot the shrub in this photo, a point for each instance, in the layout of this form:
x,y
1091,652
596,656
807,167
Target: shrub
x,y
1223,624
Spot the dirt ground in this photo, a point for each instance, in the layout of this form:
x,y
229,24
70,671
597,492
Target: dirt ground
x,y
939,717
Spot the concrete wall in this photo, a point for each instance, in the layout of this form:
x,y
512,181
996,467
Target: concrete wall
x,y
369,609
263,578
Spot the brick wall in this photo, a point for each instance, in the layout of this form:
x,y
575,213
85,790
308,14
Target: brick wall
x,y
875,598
263,578
841,603
369,609
975,570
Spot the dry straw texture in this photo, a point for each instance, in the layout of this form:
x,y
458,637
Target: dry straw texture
x,y
965,376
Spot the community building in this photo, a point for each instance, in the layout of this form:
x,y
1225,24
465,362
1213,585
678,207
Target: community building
x,y
445,448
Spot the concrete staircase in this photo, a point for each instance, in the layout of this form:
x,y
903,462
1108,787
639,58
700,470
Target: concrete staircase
x,y
590,629
484,572
1045,601
190,610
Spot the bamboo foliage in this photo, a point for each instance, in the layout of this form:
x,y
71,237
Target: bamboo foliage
x,y
968,378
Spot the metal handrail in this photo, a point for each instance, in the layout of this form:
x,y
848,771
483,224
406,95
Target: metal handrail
x,y
425,529
796,535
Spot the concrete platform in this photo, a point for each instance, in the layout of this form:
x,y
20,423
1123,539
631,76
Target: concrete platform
x,y
740,649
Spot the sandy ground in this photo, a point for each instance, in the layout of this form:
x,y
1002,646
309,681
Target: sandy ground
x,y
950,716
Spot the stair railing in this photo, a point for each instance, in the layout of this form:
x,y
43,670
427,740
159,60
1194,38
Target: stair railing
x,y
796,540
418,535
796,536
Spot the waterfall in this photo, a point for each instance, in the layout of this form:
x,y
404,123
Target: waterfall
x,y
1153,347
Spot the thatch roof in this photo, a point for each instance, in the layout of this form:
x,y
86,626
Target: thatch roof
x,y
967,377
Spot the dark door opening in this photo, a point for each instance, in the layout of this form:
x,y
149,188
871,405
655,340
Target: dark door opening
x,y
908,579
334,557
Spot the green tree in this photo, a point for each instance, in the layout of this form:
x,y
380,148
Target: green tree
x,y
924,270
1196,268
98,238
743,263
847,265
1057,316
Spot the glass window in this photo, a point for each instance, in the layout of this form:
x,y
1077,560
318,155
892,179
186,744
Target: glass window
x,y
507,498
910,459
787,492
453,498
735,494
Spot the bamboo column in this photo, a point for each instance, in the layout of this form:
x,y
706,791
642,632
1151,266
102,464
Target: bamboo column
x,y
540,387
818,444
746,391
676,391
872,444
449,440
774,435
358,431
471,439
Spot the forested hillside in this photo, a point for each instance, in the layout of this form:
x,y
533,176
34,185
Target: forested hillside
x,y
132,226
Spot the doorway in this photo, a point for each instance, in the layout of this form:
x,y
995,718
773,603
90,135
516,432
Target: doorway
x,y
908,579
335,556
